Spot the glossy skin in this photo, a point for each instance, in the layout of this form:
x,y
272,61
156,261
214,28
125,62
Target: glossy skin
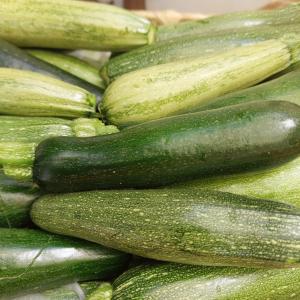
x,y
184,225
182,282
13,57
232,139
31,260
15,202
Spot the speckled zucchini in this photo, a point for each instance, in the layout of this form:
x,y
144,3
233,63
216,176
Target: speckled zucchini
x,y
184,225
231,21
177,282
15,202
16,58
19,137
177,87
231,139
72,25
70,64
192,46
32,260
103,292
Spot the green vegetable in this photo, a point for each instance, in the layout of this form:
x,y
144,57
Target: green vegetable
x,y
31,260
232,21
280,183
179,225
192,46
178,87
103,292
70,64
13,57
176,282
15,202
232,139
72,25
19,137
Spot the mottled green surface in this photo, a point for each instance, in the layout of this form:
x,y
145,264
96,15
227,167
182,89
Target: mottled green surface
x,y
232,139
177,87
231,21
72,25
32,260
182,282
103,292
184,225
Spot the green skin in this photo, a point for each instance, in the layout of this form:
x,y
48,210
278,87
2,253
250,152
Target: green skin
x,y
252,19
283,88
171,281
184,225
190,46
32,260
15,202
234,138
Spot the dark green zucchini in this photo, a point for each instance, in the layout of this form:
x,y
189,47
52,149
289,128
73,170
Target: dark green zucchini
x,y
285,87
230,139
177,282
15,201
32,260
179,225
13,57
231,21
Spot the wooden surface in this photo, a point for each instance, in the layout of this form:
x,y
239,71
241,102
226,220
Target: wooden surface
x,y
134,4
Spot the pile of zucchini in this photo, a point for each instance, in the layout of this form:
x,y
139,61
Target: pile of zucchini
x,y
170,172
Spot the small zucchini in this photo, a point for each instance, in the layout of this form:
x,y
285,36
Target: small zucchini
x,y
171,281
32,260
179,225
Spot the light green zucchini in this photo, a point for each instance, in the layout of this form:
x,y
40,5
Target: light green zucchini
x,y
103,292
177,87
72,25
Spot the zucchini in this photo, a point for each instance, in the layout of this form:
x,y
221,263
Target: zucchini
x,y
16,58
179,225
231,139
72,25
32,260
93,57
28,93
280,183
103,292
171,281
192,46
70,64
15,202
19,137
177,87
228,22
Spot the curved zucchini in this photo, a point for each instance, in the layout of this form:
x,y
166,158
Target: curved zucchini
x,y
32,260
283,88
231,21
16,58
176,282
178,87
72,25
230,139
70,64
179,225
15,202
192,46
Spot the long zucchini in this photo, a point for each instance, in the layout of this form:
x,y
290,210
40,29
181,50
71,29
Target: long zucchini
x,y
32,260
19,137
229,22
184,225
281,183
177,87
70,64
72,25
15,202
28,93
230,139
16,58
171,281
192,46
